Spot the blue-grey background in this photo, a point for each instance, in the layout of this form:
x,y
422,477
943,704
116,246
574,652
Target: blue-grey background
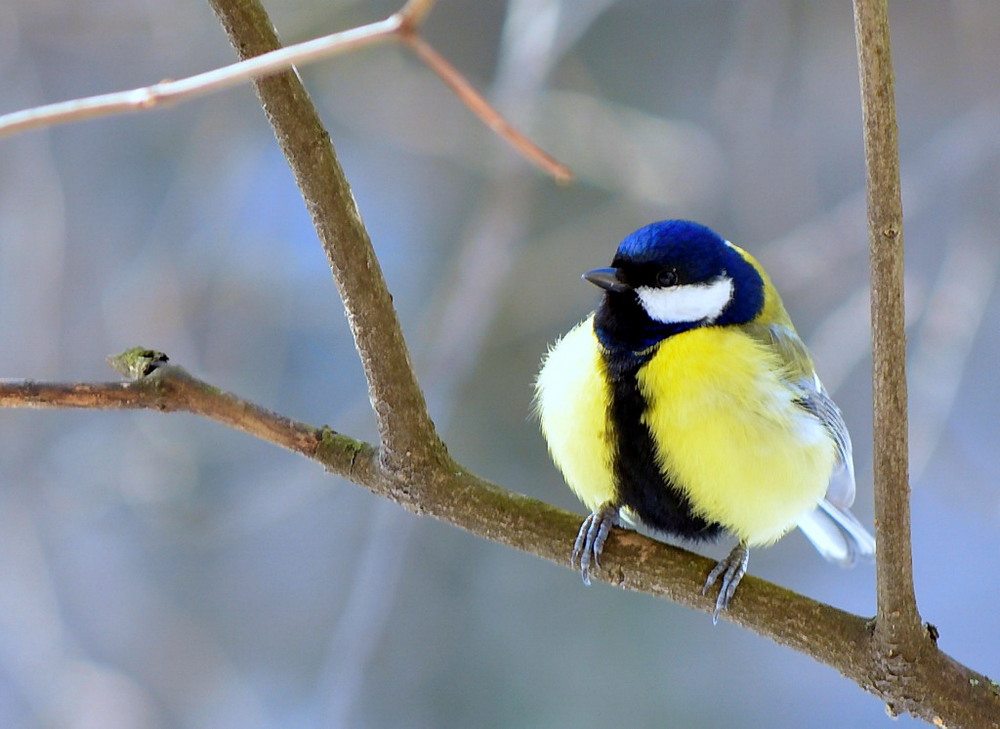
x,y
160,571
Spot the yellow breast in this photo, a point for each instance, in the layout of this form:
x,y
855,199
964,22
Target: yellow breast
x,y
726,429
572,398
729,434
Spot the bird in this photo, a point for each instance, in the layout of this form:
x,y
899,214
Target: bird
x,y
688,405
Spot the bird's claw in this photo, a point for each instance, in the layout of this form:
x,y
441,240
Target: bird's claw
x,y
731,569
591,538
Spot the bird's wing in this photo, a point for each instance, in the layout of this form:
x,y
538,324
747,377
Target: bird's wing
x,y
840,491
812,396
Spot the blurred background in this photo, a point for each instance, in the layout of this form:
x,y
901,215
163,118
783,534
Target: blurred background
x,y
161,571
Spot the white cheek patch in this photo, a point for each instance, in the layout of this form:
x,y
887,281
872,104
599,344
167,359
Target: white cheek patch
x,y
689,303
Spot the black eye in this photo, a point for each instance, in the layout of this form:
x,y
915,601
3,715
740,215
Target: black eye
x,y
667,277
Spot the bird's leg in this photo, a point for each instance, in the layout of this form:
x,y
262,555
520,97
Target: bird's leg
x,y
590,540
731,569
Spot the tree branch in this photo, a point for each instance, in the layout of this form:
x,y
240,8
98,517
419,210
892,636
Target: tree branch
x,y
482,108
934,686
169,92
402,26
407,434
416,10
168,388
898,619
458,497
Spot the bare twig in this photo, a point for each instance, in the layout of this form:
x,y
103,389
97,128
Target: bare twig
x,y
898,618
486,113
401,26
166,93
168,388
415,11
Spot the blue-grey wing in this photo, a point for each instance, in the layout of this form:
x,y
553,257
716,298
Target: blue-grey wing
x,y
831,527
840,491
812,397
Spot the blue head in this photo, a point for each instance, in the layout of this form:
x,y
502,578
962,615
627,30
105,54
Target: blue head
x,y
669,277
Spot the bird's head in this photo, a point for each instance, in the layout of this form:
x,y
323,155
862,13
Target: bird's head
x,y
672,276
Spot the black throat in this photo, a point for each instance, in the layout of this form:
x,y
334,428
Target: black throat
x,y
641,484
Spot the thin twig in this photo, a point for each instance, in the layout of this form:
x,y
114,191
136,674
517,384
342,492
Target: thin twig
x,y
486,113
415,11
898,618
168,92
170,389
401,26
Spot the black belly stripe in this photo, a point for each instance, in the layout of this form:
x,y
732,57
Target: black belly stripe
x,y
640,484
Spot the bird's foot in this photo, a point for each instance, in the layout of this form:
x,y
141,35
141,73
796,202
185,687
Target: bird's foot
x,y
590,540
731,569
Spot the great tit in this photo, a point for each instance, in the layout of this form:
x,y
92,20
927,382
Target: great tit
x,y
687,403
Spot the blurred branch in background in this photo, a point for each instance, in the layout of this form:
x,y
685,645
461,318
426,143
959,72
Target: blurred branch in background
x,y
955,309
944,317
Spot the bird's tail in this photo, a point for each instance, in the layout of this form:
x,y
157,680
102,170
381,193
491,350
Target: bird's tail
x,y
837,534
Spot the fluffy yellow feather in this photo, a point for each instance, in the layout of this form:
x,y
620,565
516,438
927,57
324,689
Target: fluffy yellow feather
x,y
572,402
727,430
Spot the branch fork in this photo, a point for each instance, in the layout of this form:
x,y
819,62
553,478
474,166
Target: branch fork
x,y
402,26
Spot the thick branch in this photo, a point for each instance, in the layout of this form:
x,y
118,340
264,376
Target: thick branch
x,y
458,497
935,686
898,618
407,434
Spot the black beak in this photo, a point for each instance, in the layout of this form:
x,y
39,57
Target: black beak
x,y
608,278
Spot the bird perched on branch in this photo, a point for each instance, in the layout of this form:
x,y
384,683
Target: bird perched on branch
x,y
687,403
